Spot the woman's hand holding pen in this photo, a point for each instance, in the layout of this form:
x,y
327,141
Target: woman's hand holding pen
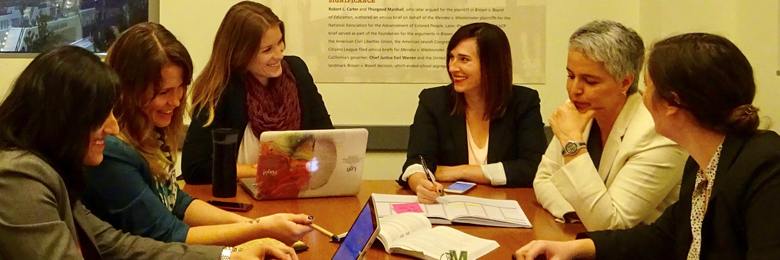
x,y
285,227
427,191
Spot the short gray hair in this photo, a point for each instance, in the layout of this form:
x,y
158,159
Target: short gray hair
x,y
620,48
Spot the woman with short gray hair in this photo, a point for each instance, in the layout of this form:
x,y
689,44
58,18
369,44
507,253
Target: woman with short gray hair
x,y
606,166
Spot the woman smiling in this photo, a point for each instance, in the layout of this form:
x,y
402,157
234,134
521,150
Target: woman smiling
x,y
250,86
480,128
135,187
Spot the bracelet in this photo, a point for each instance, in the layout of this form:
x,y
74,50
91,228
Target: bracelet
x,y
226,252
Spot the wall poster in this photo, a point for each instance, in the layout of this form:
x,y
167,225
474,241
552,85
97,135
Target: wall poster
x,y
404,41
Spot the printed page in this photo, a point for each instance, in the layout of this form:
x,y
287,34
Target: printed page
x,y
384,205
440,240
473,209
456,209
397,227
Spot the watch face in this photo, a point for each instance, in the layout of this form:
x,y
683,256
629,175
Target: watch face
x,y
571,148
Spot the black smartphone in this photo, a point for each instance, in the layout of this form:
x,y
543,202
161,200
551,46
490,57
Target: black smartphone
x,y
232,206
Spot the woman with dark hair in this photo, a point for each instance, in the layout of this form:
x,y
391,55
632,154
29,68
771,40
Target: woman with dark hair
x,y
155,69
699,91
606,166
250,86
480,128
52,125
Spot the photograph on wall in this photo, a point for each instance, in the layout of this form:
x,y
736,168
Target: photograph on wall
x,y
31,26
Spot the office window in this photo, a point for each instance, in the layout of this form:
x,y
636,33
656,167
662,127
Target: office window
x,y
30,26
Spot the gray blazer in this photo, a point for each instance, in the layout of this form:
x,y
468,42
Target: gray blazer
x,y
37,221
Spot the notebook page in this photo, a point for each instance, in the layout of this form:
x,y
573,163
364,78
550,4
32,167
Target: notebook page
x,y
440,240
397,227
488,209
384,205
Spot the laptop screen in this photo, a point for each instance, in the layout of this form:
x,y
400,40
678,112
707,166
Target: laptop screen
x,y
361,234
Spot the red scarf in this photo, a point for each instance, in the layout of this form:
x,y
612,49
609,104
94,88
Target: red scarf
x,y
276,106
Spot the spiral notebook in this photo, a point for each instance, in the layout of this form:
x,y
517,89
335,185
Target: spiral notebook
x,y
454,209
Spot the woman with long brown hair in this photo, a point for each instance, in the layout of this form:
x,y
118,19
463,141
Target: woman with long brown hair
x,y
135,188
250,86
480,128
53,124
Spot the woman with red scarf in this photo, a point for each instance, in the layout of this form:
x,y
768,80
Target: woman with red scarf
x,y
250,86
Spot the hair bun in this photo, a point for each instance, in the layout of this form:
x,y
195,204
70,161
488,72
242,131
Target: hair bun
x,y
743,119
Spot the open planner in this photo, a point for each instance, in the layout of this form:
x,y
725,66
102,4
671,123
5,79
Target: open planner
x,y
456,209
411,234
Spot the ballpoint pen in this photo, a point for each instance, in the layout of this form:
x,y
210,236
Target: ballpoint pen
x,y
429,174
333,238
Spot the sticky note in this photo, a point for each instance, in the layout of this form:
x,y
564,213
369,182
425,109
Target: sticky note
x,y
407,207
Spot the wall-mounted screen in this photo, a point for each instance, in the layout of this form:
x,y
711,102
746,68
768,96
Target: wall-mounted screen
x,y
30,26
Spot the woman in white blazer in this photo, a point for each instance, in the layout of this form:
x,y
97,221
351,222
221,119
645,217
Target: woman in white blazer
x,y
606,166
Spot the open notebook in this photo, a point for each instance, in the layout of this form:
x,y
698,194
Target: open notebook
x,y
411,234
456,209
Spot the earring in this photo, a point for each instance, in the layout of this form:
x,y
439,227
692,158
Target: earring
x,y
625,92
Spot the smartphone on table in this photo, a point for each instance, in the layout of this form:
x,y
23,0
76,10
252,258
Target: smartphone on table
x,y
460,187
231,206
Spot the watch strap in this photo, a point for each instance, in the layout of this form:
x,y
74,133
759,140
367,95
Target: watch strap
x,y
580,145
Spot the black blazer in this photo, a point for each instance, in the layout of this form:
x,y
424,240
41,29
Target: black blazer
x,y
516,139
230,112
742,219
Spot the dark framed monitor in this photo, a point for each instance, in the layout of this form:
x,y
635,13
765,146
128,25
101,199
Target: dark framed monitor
x,y
29,26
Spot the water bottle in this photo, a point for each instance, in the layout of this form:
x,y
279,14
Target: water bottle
x,y
223,168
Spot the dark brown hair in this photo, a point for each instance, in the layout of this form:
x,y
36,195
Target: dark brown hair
x,y
495,59
709,76
139,56
235,46
64,95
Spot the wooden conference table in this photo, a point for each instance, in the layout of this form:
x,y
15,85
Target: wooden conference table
x,y
337,214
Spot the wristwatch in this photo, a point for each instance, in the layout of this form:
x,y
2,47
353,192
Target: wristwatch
x,y
226,252
572,147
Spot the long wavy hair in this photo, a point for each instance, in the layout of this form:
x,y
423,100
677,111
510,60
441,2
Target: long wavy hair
x,y
139,56
235,46
64,95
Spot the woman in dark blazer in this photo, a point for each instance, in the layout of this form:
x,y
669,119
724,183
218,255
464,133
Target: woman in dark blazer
x,y
249,86
699,90
480,128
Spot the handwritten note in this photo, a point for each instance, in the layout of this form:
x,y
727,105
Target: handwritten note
x,y
407,207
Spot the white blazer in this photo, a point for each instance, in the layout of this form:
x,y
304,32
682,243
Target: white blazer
x,y
639,175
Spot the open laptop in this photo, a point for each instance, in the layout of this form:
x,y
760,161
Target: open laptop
x,y
308,163
361,235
